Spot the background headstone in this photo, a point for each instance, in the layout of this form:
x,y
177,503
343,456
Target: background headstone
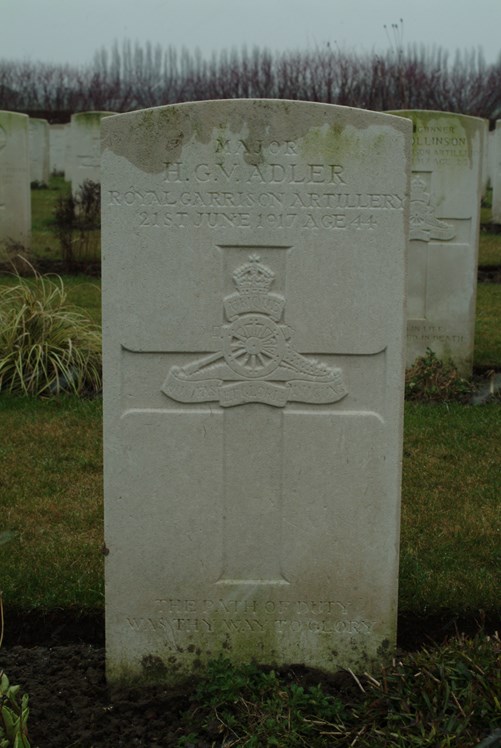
x,y
15,198
444,225
496,176
253,291
85,148
57,140
484,178
39,150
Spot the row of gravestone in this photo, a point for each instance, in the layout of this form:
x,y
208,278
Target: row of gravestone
x,y
72,149
256,259
30,150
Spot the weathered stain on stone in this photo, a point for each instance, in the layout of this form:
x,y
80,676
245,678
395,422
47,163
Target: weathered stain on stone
x,y
150,138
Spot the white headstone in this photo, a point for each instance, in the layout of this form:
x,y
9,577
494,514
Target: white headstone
x,y
15,198
444,227
85,147
254,317
57,139
39,150
496,176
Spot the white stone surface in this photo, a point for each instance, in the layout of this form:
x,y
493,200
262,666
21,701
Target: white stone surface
x,y
85,148
15,199
39,150
254,321
496,176
57,140
444,226
484,178
491,156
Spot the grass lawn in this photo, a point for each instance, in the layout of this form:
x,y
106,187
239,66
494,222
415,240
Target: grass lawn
x,y
489,252
487,350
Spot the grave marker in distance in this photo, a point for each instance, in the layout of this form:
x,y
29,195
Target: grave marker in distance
x,y
39,150
253,290
15,198
444,225
496,173
85,148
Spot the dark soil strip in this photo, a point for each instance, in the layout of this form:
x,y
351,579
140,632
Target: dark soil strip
x,y
489,274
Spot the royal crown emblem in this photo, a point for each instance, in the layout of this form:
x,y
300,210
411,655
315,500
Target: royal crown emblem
x,y
256,361
253,277
253,281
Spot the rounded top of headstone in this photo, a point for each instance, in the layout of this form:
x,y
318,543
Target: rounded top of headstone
x,y
150,137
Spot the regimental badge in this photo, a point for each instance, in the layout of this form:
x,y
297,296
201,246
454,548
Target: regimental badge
x,y
423,225
256,362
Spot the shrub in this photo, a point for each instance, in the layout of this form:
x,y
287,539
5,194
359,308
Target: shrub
x,y
88,204
431,380
76,217
46,346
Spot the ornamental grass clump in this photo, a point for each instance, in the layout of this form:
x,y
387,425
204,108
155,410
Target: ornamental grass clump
x,y
46,345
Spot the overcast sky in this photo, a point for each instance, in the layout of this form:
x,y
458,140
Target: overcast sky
x,y
72,30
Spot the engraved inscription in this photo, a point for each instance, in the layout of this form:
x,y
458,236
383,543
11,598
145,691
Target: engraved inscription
x,y
255,186
251,616
256,361
428,333
441,145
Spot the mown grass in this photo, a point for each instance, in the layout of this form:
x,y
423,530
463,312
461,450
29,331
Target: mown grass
x,y
451,525
489,252
487,352
51,497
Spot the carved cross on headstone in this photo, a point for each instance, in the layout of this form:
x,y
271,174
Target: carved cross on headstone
x,y
256,366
